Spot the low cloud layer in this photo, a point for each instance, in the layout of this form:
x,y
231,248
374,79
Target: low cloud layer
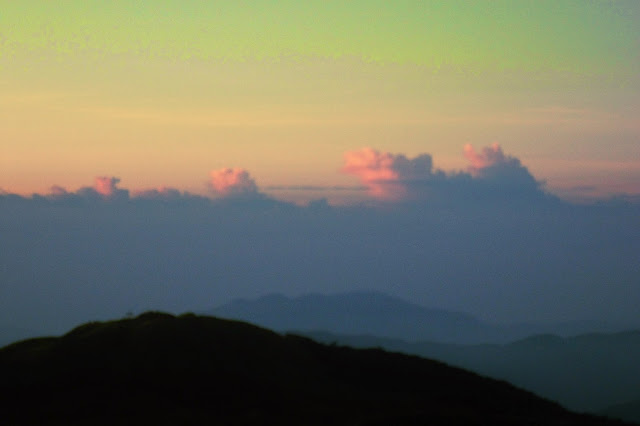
x,y
489,156
500,171
490,175
224,183
385,174
441,240
232,182
106,186
391,178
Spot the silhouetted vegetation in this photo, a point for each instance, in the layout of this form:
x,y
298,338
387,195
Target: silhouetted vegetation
x,y
160,369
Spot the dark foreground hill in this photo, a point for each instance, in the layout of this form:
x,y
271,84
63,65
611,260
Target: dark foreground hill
x,y
160,369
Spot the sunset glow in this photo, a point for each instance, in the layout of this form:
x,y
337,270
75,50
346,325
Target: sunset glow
x,y
161,94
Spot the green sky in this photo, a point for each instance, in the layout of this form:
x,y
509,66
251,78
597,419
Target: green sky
x,y
574,36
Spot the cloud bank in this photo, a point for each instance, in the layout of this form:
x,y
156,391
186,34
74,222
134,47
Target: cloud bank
x,y
491,175
106,186
226,183
500,171
488,157
232,182
484,240
385,174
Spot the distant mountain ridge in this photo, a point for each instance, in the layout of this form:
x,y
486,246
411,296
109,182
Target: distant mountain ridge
x,y
354,312
585,373
363,313
381,315
191,370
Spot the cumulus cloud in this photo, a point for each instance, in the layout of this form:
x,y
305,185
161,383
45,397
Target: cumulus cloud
x,y
106,186
387,175
232,182
491,159
488,157
500,171
491,174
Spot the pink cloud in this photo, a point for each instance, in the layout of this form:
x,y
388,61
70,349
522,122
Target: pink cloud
x,y
370,165
494,167
385,174
395,177
232,182
375,169
106,186
488,157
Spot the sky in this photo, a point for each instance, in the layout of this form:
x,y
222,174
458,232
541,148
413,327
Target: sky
x,y
162,94
481,157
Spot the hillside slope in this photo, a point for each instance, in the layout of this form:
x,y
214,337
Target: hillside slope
x,y
160,369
